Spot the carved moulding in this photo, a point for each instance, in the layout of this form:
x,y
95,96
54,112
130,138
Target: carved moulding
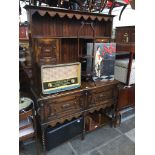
x,y
98,108
78,16
54,122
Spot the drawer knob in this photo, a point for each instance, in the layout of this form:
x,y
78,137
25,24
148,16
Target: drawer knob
x,y
65,105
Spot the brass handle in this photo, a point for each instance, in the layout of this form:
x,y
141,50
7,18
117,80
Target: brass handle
x,y
38,111
65,105
93,104
101,95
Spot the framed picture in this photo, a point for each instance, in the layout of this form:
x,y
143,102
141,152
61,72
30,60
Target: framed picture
x,y
104,60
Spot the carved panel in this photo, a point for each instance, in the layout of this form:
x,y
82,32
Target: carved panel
x,y
46,51
61,120
106,104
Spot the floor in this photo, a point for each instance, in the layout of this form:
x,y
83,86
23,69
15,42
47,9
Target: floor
x,y
103,141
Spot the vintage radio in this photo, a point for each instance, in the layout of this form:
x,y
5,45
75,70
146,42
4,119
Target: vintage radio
x,y
61,77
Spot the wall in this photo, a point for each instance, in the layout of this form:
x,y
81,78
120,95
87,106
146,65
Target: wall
x,y
128,17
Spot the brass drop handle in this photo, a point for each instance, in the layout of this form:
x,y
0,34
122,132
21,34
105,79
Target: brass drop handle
x,y
65,106
38,111
93,103
101,95
75,103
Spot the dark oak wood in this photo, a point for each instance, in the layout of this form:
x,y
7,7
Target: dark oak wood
x,y
55,38
58,108
125,42
126,97
66,105
96,120
125,34
125,48
66,23
58,31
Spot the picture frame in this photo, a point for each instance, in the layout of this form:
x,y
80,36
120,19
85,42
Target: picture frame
x,y
104,60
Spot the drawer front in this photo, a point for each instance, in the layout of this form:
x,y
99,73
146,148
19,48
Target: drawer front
x,y
61,106
100,96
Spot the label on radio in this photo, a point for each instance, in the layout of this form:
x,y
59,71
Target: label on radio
x,y
60,83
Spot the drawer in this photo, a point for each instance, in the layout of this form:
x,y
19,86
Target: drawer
x,y
100,96
61,106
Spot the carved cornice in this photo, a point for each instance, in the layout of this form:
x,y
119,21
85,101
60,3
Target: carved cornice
x,y
42,11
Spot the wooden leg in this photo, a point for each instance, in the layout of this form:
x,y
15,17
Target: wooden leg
x,y
113,115
43,140
84,130
118,119
37,147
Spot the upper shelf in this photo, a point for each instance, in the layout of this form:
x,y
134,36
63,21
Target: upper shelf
x,y
62,23
52,11
71,37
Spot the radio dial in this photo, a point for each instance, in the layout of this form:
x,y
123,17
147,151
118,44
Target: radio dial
x,y
50,85
72,80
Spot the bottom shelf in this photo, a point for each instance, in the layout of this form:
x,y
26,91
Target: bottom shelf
x,y
95,120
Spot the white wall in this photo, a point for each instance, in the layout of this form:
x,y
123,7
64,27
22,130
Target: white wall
x,y
128,17
23,16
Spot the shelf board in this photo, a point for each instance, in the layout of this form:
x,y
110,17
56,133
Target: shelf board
x,y
23,39
72,37
122,53
102,37
86,56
